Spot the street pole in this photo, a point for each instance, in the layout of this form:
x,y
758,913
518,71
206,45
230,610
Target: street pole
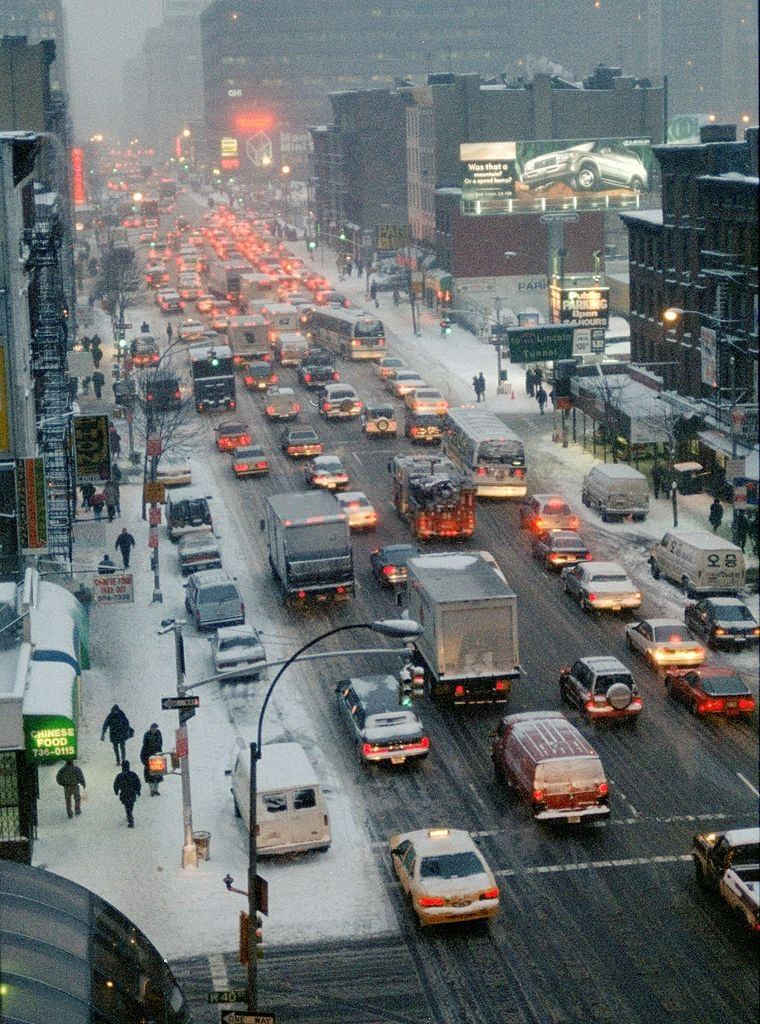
x,y
733,407
189,849
252,894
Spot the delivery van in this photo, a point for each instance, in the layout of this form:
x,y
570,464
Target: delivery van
x,y
699,561
291,810
551,767
291,348
616,490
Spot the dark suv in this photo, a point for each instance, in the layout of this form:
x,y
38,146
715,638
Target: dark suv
x,y
187,515
381,729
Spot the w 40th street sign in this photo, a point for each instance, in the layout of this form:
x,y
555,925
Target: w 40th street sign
x,y
230,995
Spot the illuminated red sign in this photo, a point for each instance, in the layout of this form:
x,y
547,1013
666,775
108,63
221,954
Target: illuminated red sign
x,y
230,163
178,147
77,176
252,123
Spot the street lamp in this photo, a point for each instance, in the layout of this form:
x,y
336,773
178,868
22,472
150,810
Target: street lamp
x,y
402,629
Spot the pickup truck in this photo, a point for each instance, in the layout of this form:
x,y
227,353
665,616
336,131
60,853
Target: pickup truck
x,y
729,863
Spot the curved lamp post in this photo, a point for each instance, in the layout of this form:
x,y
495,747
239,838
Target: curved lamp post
x,y
398,628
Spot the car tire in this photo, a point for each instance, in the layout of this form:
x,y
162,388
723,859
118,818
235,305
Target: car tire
x,y
655,569
686,584
359,756
636,185
603,513
587,178
585,500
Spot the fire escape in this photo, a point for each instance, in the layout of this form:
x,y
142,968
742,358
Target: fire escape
x,y
47,311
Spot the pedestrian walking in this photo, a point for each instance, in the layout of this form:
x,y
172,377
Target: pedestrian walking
x,y
114,440
116,495
538,376
119,730
106,566
71,778
349,267
658,479
115,473
396,296
373,292
741,529
476,387
109,494
552,397
98,380
481,387
530,383
153,743
169,331
96,340
97,355
359,268
541,397
88,491
97,502
86,343
127,787
716,514
145,327
124,543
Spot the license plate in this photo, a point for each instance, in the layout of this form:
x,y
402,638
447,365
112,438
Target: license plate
x,y
574,819
398,760
730,703
616,607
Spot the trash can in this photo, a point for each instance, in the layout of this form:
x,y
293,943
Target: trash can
x,y
689,476
202,842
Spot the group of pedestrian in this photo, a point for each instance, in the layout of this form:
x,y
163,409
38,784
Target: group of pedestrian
x,y
479,387
533,379
109,498
126,785
94,346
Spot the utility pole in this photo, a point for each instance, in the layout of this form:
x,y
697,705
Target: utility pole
x,y
252,890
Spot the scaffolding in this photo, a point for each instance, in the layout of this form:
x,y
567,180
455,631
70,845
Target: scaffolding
x,y
53,401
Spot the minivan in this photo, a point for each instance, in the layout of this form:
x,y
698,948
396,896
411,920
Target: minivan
x,y
212,599
291,810
616,490
551,767
379,727
699,561
187,513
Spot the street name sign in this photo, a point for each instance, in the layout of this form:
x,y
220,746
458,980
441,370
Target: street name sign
x,y
179,703
230,995
245,1017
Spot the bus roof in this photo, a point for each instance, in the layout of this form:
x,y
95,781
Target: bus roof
x,y
206,352
481,424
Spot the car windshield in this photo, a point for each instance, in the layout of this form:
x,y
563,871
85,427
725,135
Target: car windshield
x,y
234,642
749,854
568,543
670,634
328,465
302,435
451,865
732,613
609,578
723,685
603,683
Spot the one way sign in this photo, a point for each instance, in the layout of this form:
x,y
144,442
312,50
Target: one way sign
x,y
245,1017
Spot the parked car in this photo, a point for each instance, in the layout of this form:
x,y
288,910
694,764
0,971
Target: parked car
x,y
547,512
338,401
359,510
174,471
664,642
379,421
723,622
445,875
231,434
389,563
710,690
212,599
249,460
559,548
380,729
187,514
238,653
199,551
600,586
300,442
326,471
601,688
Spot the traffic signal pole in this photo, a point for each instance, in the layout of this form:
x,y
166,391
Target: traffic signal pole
x,y
252,893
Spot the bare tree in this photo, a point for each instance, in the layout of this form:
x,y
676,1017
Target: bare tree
x,y
119,279
609,391
664,426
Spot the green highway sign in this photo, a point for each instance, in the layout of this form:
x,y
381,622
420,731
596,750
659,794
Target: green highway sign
x,y
542,344
230,995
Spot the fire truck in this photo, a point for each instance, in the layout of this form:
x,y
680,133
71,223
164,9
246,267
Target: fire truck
x,y
434,498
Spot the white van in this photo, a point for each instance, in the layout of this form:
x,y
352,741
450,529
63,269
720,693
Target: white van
x,y
616,489
699,561
291,811
291,348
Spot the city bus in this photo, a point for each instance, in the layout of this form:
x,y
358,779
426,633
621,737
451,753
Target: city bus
x,y
212,372
479,443
350,333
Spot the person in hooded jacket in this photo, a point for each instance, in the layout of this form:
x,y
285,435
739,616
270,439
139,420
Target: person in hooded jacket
x,y
127,787
153,743
71,778
119,730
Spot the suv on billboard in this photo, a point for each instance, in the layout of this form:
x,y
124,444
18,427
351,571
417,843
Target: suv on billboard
x,y
588,166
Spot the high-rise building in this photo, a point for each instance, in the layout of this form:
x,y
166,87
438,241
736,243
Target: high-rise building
x,y
38,20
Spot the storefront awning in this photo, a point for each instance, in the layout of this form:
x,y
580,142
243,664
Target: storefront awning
x,y
49,709
721,443
55,602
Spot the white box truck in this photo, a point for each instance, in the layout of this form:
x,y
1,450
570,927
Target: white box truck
x,y
468,613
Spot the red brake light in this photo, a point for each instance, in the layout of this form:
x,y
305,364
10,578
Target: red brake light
x,y
261,465
459,690
366,749
675,638
301,594
592,597
746,703
336,375
500,684
432,901
273,378
297,407
481,471
554,557
537,795
490,894
588,556
248,380
602,789
307,377
270,410
325,407
340,590
388,570
519,472
241,467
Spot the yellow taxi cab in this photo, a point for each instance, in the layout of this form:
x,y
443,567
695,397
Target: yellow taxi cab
x,y
445,875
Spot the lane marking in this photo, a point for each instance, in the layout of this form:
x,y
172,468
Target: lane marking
x,y
628,862
748,784
219,978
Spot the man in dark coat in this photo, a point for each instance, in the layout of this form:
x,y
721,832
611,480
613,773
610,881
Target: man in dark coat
x,y
153,743
481,387
741,529
98,380
127,787
119,730
658,479
124,543
109,494
541,397
530,383
71,778
716,514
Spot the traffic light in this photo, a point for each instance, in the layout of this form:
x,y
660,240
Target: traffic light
x,y
312,244
418,681
405,688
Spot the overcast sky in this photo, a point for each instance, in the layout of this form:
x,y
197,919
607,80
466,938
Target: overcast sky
x,y
102,36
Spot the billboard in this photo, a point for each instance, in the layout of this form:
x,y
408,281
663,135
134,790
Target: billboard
x,y
31,506
79,191
587,306
92,449
565,175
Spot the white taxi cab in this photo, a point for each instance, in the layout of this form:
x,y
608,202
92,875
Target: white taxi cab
x,y
445,875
